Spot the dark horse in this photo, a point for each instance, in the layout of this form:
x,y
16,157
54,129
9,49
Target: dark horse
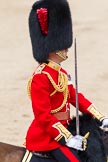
x,y
97,150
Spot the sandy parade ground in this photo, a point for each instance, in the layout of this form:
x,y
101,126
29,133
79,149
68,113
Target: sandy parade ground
x,y
90,26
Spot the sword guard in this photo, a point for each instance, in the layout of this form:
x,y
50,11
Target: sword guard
x,y
84,143
87,135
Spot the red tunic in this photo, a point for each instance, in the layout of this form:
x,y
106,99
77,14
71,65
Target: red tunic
x,y
46,131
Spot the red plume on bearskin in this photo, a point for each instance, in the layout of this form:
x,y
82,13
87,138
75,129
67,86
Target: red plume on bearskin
x,y
43,19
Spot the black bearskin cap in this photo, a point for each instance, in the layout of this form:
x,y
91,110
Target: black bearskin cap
x,y
59,35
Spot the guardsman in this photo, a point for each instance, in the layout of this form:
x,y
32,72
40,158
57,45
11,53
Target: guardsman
x,y
50,87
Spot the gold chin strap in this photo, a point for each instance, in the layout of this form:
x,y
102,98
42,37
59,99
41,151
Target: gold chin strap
x,y
59,53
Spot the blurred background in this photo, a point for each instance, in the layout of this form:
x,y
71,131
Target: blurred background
x,y
90,26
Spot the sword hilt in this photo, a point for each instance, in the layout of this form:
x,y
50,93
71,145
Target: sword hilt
x,y
86,135
84,143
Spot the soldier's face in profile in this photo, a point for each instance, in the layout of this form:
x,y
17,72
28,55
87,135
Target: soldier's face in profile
x,y
58,56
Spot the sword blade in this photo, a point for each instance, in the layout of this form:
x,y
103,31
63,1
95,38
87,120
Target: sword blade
x,y
76,87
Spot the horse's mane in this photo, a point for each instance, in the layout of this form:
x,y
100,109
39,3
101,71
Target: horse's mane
x,y
97,146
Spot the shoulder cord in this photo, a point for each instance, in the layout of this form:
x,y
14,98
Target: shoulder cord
x,y
62,86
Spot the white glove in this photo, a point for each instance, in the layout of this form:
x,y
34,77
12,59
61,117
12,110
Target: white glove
x,y
76,142
105,123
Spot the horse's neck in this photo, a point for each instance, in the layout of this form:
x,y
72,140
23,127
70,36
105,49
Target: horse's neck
x,y
11,153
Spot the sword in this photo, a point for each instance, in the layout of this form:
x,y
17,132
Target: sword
x,y
76,87
77,103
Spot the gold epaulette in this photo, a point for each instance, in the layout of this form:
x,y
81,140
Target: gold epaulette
x,y
39,69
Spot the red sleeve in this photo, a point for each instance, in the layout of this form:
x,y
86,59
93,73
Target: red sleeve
x,y
40,95
84,103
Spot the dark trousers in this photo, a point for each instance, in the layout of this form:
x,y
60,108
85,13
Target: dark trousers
x,y
62,154
65,154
